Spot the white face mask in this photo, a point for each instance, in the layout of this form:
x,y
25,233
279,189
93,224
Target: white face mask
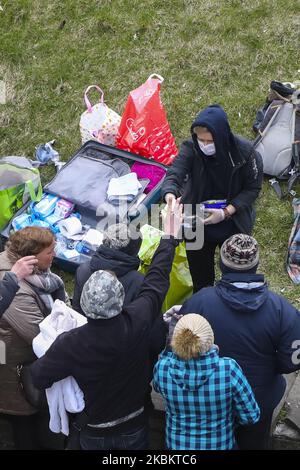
x,y
208,149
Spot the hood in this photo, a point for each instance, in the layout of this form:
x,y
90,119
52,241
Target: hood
x,y
218,167
243,292
114,260
215,120
5,263
192,374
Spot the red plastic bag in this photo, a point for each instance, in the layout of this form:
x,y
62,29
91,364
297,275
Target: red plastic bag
x,y
144,128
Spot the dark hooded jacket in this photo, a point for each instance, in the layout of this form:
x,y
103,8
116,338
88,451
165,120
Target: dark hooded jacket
x,y
257,328
234,173
109,357
124,266
8,288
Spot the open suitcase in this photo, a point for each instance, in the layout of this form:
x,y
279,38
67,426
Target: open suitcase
x,y
83,181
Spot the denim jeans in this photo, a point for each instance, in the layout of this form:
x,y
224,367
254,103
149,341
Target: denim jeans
x,y
134,439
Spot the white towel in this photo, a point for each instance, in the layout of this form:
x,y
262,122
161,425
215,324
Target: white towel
x,y
61,319
127,185
65,395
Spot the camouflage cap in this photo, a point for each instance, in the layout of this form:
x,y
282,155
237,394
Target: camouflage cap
x,y
102,296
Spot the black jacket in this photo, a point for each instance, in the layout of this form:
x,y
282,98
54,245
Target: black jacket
x,y
240,165
8,288
109,357
257,328
124,266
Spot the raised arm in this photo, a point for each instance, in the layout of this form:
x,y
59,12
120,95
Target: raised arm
x,y
156,283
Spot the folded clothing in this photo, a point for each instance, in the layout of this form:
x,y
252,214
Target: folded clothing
x,y
153,172
123,189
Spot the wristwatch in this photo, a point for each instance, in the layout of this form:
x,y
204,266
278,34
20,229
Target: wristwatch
x,y
227,213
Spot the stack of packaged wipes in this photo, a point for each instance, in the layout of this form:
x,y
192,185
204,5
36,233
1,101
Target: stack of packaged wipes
x,y
27,220
45,213
72,238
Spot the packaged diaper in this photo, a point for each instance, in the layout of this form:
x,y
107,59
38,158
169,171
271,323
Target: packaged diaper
x,y
45,207
44,224
22,221
63,208
40,223
52,219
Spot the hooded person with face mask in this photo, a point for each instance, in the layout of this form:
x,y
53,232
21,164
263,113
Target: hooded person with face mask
x,y
215,164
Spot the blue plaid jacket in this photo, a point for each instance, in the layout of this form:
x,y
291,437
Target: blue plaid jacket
x,y
205,398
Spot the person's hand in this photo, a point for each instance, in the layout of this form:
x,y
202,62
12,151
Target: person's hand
x,y
170,200
24,266
171,318
216,216
173,312
173,220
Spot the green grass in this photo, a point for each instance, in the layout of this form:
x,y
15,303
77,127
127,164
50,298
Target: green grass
x,y
283,413
208,51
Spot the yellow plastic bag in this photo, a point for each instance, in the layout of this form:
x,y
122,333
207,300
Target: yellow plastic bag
x,y
181,286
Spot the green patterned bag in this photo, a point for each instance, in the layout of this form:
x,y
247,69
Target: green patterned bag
x,y
19,182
